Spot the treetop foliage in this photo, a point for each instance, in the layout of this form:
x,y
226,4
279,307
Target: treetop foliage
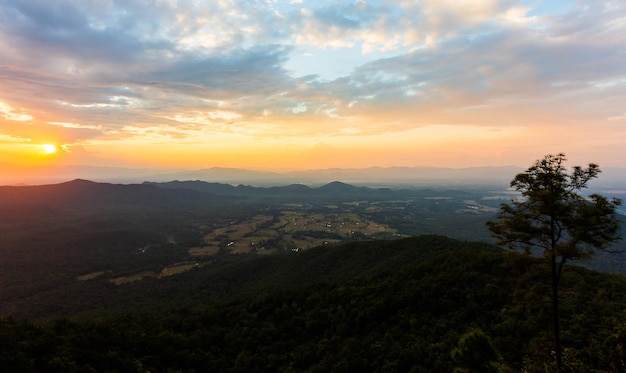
x,y
552,214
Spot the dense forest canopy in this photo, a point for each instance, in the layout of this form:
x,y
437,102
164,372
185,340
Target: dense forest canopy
x,y
371,306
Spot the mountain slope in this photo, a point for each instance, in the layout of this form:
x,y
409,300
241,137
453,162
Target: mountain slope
x,y
332,191
85,194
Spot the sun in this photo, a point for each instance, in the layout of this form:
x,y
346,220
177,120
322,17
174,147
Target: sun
x,y
49,148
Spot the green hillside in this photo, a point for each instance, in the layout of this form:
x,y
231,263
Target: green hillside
x,y
380,306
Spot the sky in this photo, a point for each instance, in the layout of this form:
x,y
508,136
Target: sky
x,y
298,84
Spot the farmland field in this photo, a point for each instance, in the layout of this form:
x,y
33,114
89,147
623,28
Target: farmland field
x,y
290,230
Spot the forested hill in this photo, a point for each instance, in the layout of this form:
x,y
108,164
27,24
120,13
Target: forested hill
x,y
87,195
335,190
393,306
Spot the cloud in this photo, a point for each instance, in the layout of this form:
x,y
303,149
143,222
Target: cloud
x,y
369,27
91,70
499,67
255,71
9,113
73,38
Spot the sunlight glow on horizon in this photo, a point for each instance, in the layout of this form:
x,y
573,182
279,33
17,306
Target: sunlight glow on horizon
x,y
49,148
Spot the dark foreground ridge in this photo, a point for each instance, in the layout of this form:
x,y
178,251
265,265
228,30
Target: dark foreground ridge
x,y
393,306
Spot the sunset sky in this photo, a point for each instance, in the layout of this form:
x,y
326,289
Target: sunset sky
x,y
300,84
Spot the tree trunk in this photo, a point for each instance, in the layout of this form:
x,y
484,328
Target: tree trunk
x,y
555,314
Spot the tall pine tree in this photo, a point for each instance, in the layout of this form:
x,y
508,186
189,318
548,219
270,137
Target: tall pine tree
x,y
553,217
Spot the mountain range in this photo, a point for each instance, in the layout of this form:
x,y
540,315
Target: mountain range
x,y
612,177
373,176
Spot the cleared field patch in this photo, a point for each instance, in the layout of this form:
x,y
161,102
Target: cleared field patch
x,y
289,230
204,251
90,276
175,269
314,229
132,278
475,207
307,242
243,245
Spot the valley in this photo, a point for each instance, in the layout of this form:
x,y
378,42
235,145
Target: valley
x,y
210,274
66,238
292,227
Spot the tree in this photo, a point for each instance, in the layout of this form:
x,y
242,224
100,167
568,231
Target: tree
x,y
552,216
475,353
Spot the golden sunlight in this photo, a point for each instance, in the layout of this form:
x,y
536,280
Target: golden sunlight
x,y
49,148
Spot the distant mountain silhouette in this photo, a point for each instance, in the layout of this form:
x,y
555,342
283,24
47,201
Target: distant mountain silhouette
x,y
338,186
381,176
222,174
327,192
200,186
84,194
613,177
